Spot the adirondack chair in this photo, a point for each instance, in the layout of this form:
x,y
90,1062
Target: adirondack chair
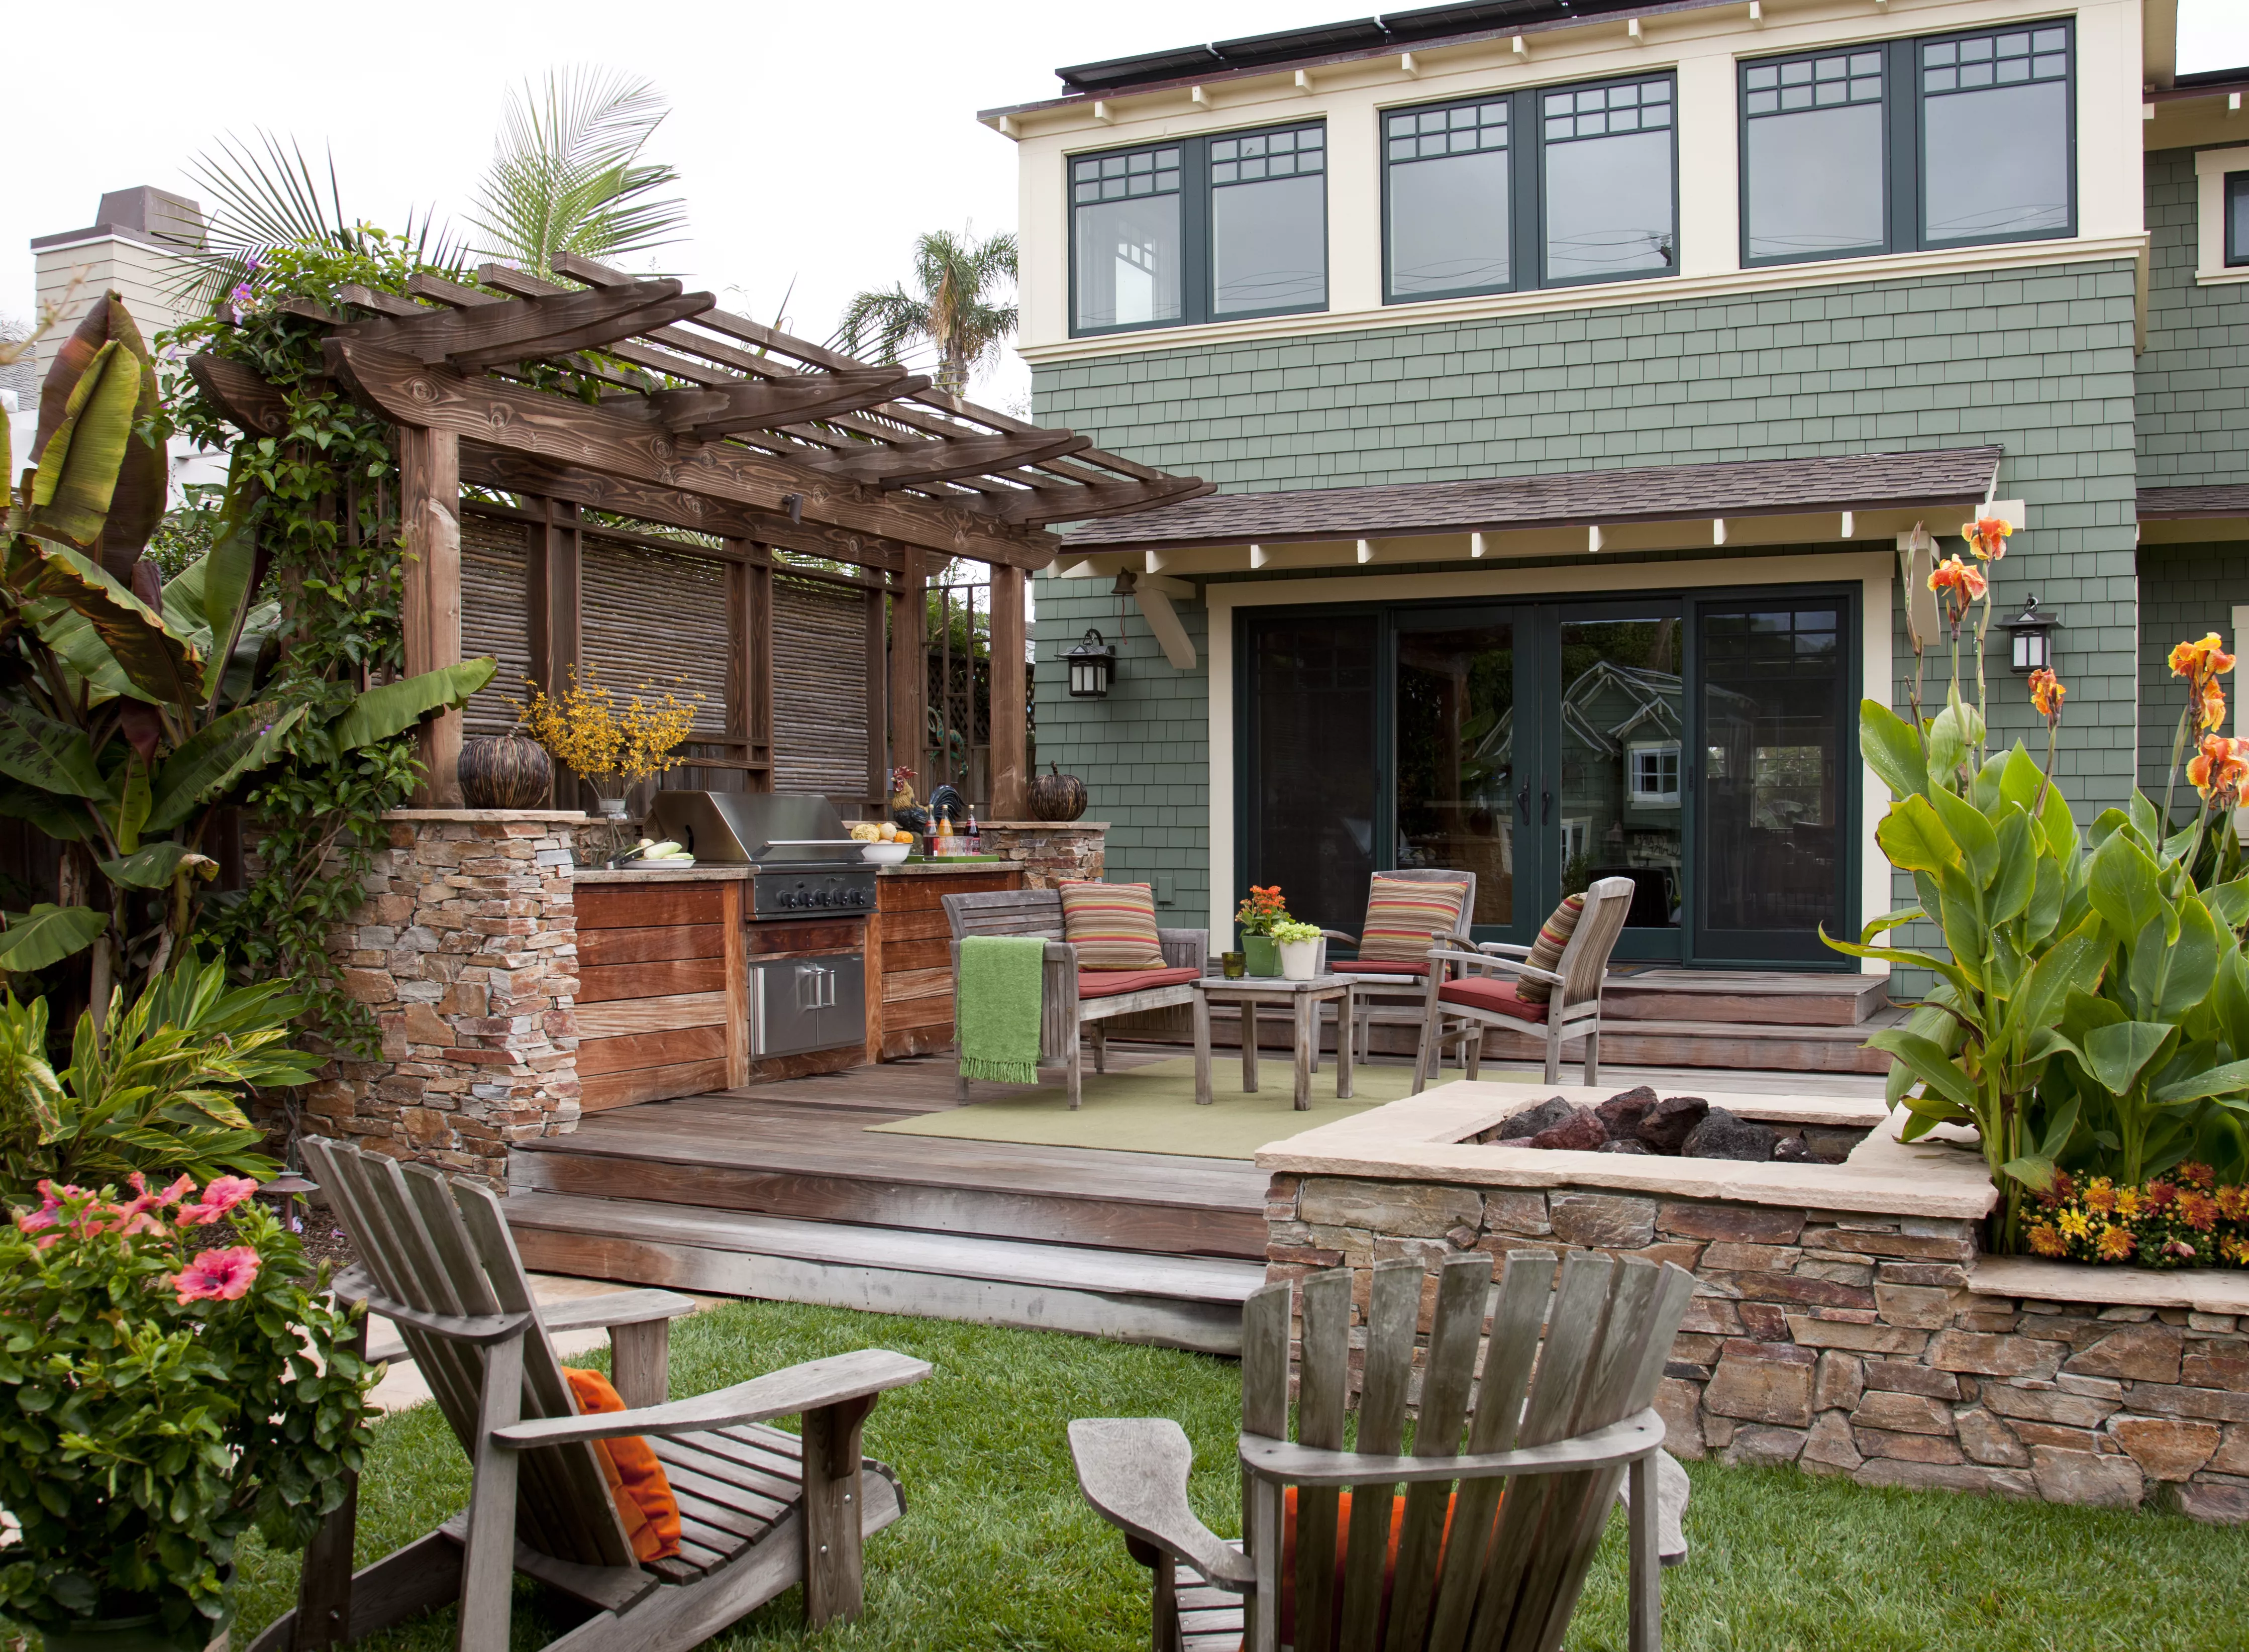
x,y
1397,981
1075,1004
1463,995
759,1509
1473,1569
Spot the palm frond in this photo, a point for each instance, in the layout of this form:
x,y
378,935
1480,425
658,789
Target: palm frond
x,y
959,277
567,176
881,327
261,200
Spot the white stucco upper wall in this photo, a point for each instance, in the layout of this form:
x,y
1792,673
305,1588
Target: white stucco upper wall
x,y
141,274
1701,47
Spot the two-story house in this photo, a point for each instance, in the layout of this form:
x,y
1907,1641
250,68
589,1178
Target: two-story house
x,y
1587,387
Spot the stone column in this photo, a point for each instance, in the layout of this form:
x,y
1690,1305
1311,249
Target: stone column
x,y
1050,852
466,953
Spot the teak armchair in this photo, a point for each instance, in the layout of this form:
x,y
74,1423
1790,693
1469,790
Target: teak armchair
x,y
759,1510
1466,1567
1396,980
1075,1004
1463,989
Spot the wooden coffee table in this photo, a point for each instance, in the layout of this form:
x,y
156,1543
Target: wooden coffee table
x,y
1303,998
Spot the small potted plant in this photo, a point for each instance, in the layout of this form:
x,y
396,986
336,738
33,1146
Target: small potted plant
x,y
1299,946
1261,909
165,1383
611,749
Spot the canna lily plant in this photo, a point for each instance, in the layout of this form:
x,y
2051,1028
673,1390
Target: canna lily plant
x,y
2090,999
131,708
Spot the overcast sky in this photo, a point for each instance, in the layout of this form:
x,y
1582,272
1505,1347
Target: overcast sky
x,y
813,141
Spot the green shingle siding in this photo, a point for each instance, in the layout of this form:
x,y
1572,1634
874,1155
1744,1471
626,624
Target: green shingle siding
x,y
2039,361
2185,591
2194,376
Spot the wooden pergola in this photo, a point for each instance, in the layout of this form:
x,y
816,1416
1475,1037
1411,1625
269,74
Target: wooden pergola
x,y
707,421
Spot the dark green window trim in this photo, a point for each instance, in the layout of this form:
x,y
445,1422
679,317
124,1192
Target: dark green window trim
x,y
1909,84
2233,202
1527,141
1196,180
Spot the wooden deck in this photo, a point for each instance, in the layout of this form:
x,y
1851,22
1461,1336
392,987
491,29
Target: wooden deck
x,y
779,1191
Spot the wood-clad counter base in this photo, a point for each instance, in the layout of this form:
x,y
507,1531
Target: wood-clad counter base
x,y
662,1011
909,954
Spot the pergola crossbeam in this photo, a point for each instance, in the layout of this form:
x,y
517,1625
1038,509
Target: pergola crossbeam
x,y
911,462
498,334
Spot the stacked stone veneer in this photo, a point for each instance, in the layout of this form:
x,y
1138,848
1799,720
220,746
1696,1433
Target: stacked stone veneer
x,y
466,953
1850,1344
1050,852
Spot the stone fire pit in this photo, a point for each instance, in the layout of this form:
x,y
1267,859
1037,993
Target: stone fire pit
x,y
1844,1319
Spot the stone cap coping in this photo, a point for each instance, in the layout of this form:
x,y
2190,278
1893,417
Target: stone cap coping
x,y
938,869
658,875
2200,1289
1045,825
561,816
1424,1138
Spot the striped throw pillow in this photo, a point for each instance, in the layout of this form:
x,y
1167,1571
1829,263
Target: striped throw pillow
x,y
1403,912
1546,951
1112,926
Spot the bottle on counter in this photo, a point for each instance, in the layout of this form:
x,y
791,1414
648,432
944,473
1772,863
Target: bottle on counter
x,y
976,836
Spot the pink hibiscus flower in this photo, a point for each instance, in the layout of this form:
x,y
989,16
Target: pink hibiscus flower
x,y
217,1276
221,1196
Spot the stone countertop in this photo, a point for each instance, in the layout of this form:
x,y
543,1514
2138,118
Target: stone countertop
x,y
1424,1138
714,873
2036,1279
1046,825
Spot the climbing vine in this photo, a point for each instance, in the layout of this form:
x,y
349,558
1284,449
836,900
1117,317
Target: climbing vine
x,y
323,506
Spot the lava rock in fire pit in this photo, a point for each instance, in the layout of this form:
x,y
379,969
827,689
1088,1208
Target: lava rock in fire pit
x,y
1795,1150
1722,1135
1671,1121
1531,1120
1627,1145
1581,1132
1620,1114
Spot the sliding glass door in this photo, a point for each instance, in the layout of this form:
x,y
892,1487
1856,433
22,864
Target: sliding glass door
x,y
1699,746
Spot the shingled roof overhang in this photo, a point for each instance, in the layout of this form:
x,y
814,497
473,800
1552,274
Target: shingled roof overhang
x,y
2193,515
1649,494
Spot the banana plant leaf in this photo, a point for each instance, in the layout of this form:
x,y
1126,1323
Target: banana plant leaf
x,y
134,503
63,819
381,713
52,756
244,740
75,643
79,461
47,935
158,661
156,864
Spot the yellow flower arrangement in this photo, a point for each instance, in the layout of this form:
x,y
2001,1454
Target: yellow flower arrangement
x,y
611,747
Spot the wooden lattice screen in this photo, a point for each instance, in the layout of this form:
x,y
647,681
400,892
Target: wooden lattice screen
x,y
495,615
821,703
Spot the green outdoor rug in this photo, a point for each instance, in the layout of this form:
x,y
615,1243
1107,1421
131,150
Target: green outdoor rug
x,y
1000,1008
1152,1109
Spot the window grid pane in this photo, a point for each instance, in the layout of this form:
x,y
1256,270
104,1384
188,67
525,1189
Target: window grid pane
x,y
1639,105
2013,57
1118,177
1258,157
1447,227
1994,115
1828,82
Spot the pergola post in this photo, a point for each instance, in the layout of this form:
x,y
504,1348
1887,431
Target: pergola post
x,y
910,669
430,521
1010,696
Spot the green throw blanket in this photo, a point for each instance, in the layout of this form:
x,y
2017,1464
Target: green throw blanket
x,y
1000,1008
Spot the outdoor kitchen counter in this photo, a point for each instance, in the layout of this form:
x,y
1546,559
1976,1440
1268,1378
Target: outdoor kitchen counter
x,y
909,953
659,874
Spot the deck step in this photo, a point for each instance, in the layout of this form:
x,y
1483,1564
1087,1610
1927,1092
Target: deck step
x,y
1752,997
760,1159
1739,1044
1180,1302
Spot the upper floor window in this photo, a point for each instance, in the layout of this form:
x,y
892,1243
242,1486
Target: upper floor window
x,y
1539,187
1940,141
2236,218
1200,230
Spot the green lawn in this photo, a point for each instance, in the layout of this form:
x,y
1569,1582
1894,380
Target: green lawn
x,y
998,1551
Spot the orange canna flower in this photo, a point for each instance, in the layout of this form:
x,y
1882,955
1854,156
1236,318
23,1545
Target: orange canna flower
x,y
2047,692
2212,708
1987,537
1953,574
2200,661
2218,769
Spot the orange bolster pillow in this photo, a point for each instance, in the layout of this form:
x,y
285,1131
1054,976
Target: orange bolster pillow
x,y
637,1480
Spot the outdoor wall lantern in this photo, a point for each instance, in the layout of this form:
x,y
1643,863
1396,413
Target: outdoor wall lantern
x,y
1091,664
2034,636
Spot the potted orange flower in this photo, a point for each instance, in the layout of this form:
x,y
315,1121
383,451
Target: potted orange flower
x,y
1261,911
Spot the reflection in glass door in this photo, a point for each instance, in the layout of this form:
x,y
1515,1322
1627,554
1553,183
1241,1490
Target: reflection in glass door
x,y
1314,795
1455,756
1774,704
1615,800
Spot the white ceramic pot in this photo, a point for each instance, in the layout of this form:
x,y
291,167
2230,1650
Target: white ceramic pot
x,y
1300,960
612,808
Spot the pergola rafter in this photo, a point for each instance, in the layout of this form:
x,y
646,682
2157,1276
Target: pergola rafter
x,y
703,421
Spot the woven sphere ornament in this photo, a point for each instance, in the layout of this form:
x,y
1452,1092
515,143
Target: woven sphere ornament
x,y
505,771
1056,796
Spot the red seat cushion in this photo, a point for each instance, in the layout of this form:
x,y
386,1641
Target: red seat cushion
x,y
1486,991
1109,983
1380,966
